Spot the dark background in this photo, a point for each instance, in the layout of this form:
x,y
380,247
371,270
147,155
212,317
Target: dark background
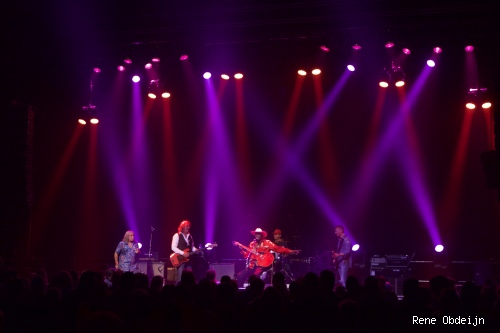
x,y
50,47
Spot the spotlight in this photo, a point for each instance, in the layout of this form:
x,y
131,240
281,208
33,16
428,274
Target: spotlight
x,y
155,59
399,78
148,66
477,96
121,68
324,48
153,89
165,95
431,63
439,248
351,68
184,57
437,49
127,61
389,45
94,121
136,79
302,72
97,70
238,76
82,121
207,75
383,84
356,47
469,48
355,247
316,71
88,113
394,75
406,51
225,77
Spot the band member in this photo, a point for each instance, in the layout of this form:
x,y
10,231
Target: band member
x,y
342,256
125,253
181,241
277,238
259,256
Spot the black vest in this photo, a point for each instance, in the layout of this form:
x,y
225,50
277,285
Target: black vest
x,y
182,242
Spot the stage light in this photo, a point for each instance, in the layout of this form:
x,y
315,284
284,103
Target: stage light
x,y
395,75
121,68
351,68
355,247
316,71
225,77
94,121
184,57
478,96
439,248
383,84
136,78
388,45
398,78
165,95
88,113
324,48
153,88
406,51
431,63
356,47
207,75
81,121
139,245
97,70
155,59
437,49
127,61
238,76
469,48
302,72
148,66
152,95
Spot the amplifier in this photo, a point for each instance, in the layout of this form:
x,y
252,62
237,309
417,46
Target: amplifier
x,y
397,260
378,263
222,269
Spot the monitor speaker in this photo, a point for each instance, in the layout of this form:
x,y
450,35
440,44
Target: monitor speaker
x,y
222,269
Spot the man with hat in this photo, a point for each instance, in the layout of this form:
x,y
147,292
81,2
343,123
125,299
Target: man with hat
x,y
259,256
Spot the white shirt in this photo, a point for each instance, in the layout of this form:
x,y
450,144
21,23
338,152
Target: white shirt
x,y
175,243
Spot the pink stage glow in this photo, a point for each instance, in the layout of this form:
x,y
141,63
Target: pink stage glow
x,y
165,95
437,49
225,77
127,61
469,48
356,47
238,76
406,51
121,68
324,48
316,71
97,69
351,68
136,78
148,66
302,72
431,63
155,59
388,45
184,57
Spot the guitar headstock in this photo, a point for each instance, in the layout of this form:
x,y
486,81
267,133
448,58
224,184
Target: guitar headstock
x,y
236,243
210,246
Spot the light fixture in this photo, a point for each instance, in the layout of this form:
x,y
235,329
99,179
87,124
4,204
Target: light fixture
x,y
153,89
395,75
476,97
316,71
88,113
302,72
238,76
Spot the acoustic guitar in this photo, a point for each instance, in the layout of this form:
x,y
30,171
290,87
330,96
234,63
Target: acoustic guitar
x,y
178,259
264,258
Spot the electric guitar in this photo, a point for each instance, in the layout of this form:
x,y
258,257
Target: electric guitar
x,y
264,259
178,259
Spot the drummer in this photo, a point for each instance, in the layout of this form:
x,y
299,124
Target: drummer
x,y
277,238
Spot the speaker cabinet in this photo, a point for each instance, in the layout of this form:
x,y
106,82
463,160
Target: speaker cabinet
x,y
159,268
222,269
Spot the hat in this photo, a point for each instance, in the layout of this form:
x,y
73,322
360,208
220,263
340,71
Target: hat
x,y
277,232
259,231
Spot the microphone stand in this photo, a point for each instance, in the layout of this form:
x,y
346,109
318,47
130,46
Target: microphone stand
x,y
150,242
150,263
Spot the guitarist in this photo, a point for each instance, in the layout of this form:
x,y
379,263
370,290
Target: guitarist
x,y
259,256
181,241
342,255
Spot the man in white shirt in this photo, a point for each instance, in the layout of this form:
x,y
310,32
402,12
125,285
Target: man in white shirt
x,y
182,241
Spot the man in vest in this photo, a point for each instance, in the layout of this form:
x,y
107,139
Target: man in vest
x,y
342,255
181,241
